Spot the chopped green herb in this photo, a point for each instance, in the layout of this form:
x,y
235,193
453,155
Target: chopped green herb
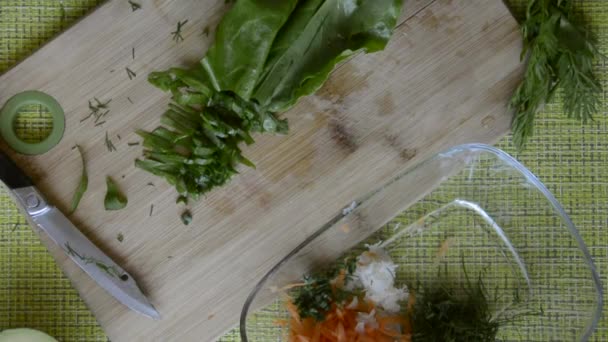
x,y
82,185
120,237
98,110
131,73
109,144
186,217
182,199
316,297
134,5
110,270
114,200
177,34
133,143
220,103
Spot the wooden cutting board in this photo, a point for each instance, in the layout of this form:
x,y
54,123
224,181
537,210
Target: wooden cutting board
x,y
444,79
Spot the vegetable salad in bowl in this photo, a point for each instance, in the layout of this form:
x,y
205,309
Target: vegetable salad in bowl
x,y
355,300
467,246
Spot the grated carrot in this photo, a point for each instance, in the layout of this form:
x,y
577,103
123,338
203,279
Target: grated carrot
x,y
340,326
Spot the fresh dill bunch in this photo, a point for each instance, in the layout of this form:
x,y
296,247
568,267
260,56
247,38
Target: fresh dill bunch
x,y
443,314
560,54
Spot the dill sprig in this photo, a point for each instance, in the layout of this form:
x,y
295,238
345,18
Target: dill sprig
x,y
109,144
98,110
177,34
130,73
134,5
443,314
560,54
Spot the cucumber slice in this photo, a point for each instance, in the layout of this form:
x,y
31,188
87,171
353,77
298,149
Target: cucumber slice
x,y
25,335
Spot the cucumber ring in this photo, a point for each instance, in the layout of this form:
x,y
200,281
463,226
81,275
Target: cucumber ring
x,y
9,114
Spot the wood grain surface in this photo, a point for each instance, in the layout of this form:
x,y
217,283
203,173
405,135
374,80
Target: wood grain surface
x,y
444,79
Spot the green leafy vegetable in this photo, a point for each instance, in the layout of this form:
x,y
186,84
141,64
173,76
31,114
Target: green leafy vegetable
x,y
266,55
320,35
186,218
243,41
198,149
560,54
82,185
114,200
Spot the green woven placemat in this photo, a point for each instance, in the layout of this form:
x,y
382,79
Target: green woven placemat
x,y
571,160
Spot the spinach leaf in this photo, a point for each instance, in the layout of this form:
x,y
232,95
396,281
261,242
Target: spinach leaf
x,y
242,43
83,185
114,200
266,55
306,52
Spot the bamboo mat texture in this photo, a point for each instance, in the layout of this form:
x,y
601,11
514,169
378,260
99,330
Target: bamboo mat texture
x,y
572,161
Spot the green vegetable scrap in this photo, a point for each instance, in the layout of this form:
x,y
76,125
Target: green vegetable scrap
x,y
82,185
134,5
441,314
315,298
177,34
130,73
114,200
98,109
109,269
560,54
186,218
109,144
264,58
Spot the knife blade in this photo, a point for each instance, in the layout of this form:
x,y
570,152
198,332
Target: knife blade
x,y
101,268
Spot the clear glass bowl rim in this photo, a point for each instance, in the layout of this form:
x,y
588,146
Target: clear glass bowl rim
x,y
504,157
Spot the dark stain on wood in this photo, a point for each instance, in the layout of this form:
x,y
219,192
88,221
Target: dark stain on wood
x,y
223,205
386,105
406,154
346,80
343,137
429,20
488,121
486,26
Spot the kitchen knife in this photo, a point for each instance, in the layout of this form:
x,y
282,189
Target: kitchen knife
x,y
83,252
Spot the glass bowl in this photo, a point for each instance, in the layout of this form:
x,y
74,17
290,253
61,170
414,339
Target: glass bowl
x,y
473,209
